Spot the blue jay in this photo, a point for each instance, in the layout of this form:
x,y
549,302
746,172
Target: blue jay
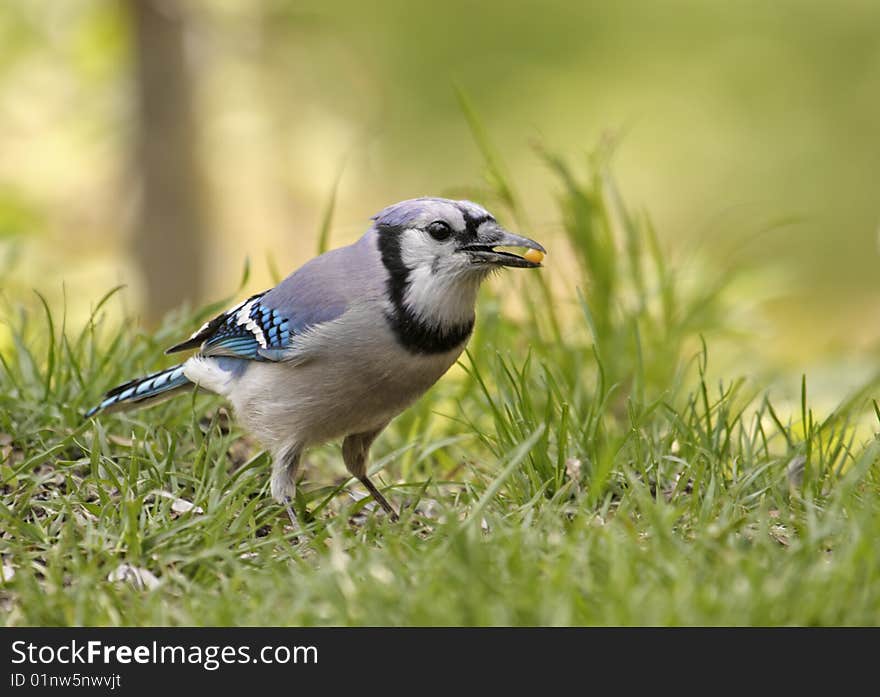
x,y
349,340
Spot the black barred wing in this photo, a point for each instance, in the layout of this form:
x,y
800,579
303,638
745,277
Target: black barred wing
x,y
249,330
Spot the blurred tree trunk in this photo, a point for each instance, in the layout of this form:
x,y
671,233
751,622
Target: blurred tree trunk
x,y
169,229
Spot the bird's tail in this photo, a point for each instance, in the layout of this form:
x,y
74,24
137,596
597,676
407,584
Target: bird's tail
x,y
152,388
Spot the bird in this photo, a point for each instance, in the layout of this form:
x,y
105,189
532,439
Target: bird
x,y
346,342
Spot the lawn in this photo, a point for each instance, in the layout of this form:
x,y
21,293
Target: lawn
x,y
584,464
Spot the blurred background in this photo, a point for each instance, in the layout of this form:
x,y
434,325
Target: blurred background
x,y
159,143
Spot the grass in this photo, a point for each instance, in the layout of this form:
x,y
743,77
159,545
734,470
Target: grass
x,y
584,465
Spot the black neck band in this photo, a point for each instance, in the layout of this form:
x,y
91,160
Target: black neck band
x,y
414,333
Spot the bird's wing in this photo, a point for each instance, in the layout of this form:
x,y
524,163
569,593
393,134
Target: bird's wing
x,y
255,330
266,326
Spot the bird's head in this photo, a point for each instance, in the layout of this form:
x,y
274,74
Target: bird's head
x,y
437,251
451,237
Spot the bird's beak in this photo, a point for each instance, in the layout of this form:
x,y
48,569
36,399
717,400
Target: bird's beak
x,y
483,250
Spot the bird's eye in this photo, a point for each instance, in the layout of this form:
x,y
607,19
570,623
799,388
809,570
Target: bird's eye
x,y
439,230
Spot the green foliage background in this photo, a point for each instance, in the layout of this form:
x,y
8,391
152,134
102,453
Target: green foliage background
x,y
745,127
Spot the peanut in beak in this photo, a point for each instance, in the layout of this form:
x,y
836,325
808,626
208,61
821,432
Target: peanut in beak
x,y
534,256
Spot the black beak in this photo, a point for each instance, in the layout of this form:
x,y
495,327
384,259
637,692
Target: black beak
x,y
483,250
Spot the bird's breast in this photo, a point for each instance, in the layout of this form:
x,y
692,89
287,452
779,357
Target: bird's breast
x,y
356,378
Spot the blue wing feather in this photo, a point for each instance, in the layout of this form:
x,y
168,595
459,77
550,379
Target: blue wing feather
x,y
265,327
249,330
254,331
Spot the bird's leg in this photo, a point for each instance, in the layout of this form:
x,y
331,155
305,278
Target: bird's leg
x,y
378,496
283,485
294,521
355,448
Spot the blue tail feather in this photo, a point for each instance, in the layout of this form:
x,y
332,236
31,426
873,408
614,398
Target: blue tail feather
x,y
144,389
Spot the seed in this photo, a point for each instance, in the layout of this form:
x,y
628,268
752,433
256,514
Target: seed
x,y
534,256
